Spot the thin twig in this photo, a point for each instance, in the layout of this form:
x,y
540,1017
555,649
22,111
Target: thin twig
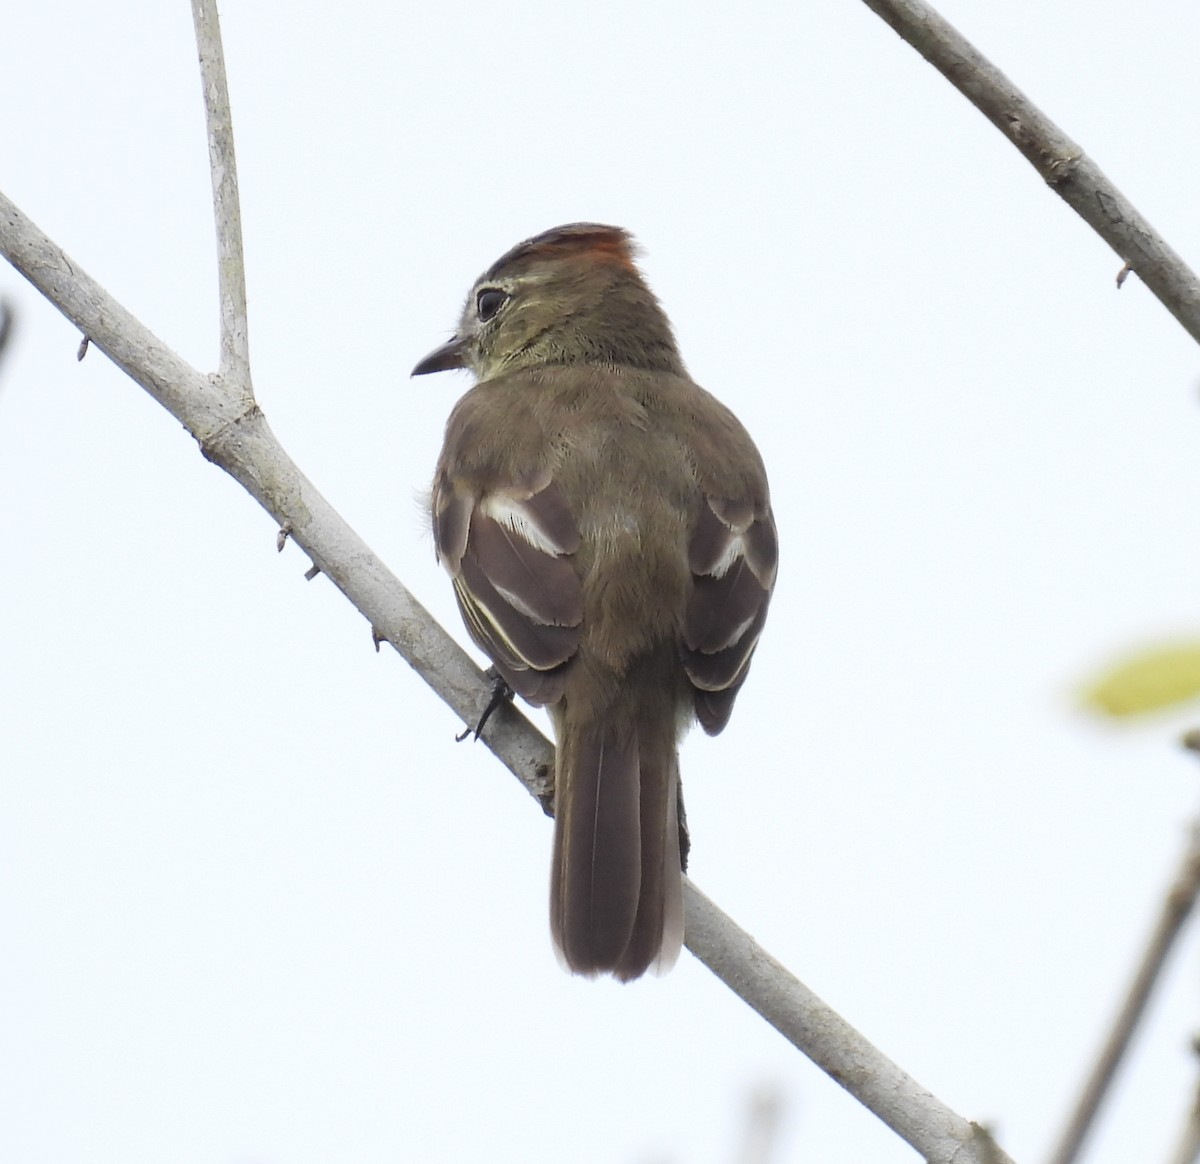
x,y
1070,173
231,266
1178,904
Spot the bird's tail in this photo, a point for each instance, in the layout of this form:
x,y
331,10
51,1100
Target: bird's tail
x,y
616,893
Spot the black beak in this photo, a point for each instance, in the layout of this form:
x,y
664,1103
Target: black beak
x,y
449,355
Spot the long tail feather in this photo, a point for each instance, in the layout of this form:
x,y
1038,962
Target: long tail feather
x,y
658,929
616,904
597,864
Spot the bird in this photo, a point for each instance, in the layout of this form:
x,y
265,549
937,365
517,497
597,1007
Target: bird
x,y
607,526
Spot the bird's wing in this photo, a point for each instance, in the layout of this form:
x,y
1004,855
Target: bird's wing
x,y
733,554
508,552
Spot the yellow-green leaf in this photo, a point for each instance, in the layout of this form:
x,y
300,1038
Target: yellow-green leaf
x,y
1147,681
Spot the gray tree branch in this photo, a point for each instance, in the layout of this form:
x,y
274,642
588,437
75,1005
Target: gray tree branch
x,y
222,164
1070,173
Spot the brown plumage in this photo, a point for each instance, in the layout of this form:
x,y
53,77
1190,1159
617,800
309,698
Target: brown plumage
x,y
607,526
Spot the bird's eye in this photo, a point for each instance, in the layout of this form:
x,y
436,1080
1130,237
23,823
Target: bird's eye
x,y
488,302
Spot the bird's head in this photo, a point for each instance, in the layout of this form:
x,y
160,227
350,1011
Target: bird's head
x,y
572,295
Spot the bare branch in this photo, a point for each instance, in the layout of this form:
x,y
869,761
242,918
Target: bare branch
x,y
1069,172
1179,902
231,266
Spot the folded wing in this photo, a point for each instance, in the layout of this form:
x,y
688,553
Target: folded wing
x,y
508,552
733,555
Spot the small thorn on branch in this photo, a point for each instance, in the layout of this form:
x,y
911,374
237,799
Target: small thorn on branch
x,y
311,572
84,344
378,637
285,532
1123,274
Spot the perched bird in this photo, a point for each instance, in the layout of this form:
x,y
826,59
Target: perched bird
x,y
607,526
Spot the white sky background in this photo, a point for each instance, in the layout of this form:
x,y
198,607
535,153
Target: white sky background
x,y
256,906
